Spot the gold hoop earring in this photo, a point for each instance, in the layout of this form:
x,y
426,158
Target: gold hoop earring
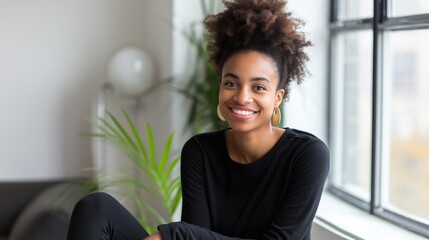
x,y
275,119
219,114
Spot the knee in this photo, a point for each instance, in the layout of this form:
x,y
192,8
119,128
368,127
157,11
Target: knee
x,y
96,197
89,215
94,201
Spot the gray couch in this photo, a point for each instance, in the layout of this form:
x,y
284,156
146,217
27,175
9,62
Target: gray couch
x,y
36,210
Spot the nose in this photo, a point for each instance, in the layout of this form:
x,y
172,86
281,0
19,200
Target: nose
x,y
243,96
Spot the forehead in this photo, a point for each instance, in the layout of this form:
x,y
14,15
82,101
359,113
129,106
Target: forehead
x,y
250,63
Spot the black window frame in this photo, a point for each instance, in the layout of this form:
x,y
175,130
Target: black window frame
x,y
379,24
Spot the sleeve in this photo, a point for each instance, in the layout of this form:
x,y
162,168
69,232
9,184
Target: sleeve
x,y
294,219
186,231
304,191
194,205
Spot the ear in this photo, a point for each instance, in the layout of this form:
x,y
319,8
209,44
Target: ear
x,y
279,97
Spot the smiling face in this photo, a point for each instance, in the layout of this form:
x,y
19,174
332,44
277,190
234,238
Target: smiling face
x,y
248,91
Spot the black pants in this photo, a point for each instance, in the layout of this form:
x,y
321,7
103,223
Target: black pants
x,y
100,216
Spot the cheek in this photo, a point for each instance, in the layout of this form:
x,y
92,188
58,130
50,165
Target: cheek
x,y
222,96
269,105
268,100
221,93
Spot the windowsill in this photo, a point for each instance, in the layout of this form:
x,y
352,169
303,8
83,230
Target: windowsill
x,y
354,223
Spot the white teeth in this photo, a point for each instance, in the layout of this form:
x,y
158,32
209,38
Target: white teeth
x,y
242,112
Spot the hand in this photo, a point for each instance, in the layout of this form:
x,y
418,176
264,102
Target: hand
x,y
155,236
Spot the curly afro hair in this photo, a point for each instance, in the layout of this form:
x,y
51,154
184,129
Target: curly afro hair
x,y
263,26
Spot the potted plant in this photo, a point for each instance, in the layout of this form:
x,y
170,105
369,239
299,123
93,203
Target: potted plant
x,y
157,180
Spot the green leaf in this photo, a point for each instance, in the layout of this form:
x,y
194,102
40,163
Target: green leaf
x,y
172,166
122,130
165,154
175,201
136,134
173,186
110,130
155,213
151,143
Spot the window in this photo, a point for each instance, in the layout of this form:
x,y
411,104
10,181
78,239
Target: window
x,y
379,117
397,8
353,9
353,104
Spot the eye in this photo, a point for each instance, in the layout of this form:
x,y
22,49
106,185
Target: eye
x,y
230,84
260,88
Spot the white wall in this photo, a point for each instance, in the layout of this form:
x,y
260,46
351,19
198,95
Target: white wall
x,y
307,107
52,63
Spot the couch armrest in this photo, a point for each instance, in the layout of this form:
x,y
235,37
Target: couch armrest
x,y
48,215
14,196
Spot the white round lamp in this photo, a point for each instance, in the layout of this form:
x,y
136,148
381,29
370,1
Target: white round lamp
x,y
130,71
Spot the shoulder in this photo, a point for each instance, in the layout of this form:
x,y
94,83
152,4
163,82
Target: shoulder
x,y
299,134
303,139
204,145
204,140
200,148
307,147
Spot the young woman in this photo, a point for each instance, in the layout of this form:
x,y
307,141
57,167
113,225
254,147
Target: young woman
x,y
252,180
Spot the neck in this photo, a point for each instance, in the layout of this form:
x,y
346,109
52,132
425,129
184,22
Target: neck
x,y
247,147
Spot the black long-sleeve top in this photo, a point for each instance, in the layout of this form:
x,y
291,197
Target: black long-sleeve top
x,y
275,197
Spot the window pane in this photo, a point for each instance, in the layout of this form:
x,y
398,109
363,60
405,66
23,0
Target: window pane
x,y
355,9
352,104
406,124
399,8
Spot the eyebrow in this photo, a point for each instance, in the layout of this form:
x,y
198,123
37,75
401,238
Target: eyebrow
x,y
232,75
